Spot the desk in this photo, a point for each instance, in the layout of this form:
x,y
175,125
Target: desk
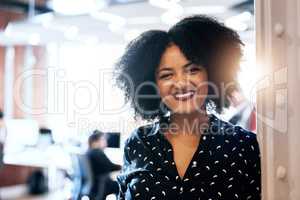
x,y
51,159
52,156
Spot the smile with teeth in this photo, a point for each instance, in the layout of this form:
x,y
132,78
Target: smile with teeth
x,y
184,96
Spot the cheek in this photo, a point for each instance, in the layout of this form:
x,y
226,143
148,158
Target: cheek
x,y
203,88
162,88
202,85
202,94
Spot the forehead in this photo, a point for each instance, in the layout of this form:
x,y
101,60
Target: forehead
x,y
173,57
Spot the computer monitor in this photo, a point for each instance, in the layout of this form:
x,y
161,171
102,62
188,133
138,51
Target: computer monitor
x,y
19,134
113,139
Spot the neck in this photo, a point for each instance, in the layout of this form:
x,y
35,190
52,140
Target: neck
x,y
190,124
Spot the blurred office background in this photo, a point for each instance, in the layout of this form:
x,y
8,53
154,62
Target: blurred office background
x,y
56,87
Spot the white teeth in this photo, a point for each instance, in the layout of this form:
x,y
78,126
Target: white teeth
x,y
184,95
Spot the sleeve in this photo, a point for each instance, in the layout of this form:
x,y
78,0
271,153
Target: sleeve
x,y
2,141
109,165
1,154
121,179
253,170
102,160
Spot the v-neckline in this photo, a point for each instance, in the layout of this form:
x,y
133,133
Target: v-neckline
x,y
200,147
195,154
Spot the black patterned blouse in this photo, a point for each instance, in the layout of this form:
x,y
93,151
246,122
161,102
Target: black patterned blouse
x,y
226,166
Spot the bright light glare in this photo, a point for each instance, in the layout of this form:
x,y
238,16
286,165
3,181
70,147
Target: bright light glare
x,y
236,25
239,22
249,73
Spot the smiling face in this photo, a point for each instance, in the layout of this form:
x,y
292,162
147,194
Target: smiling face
x,y
182,85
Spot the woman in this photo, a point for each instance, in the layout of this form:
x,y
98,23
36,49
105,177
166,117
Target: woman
x,y
176,80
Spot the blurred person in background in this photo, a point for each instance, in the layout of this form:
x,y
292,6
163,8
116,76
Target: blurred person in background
x,y
45,139
101,167
241,112
2,138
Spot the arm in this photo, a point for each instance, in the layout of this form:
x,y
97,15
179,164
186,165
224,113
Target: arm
x,y
100,159
122,178
253,173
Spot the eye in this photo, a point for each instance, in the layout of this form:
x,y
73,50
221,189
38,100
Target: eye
x,y
165,76
194,69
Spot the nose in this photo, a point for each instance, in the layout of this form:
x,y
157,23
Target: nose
x,y
181,82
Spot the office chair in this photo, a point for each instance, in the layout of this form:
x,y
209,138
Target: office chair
x,y
82,177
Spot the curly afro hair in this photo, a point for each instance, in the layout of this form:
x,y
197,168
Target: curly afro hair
x,y
203,40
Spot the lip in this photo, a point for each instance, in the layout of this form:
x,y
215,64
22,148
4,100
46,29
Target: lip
x,y
184,96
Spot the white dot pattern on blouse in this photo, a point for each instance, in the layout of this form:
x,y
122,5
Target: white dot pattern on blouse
x,y
226,166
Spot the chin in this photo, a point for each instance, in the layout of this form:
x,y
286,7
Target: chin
x,y
185,109
188,108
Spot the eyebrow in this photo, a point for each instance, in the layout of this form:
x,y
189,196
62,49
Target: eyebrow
x,y
188,64
170,69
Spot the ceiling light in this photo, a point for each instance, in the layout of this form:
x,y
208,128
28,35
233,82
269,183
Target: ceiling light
x,y
204,10
108,17
165,4
173,13
143,20
76,7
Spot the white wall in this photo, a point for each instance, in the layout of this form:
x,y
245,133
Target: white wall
x,y
278,55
